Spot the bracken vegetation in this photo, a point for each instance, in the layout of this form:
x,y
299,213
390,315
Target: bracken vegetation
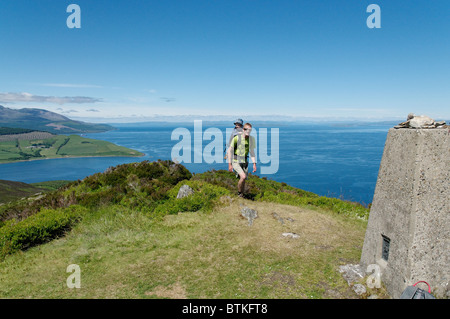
x,y
149,188
37,229
262,189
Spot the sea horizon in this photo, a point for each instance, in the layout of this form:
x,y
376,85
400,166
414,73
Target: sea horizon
x,y
328,159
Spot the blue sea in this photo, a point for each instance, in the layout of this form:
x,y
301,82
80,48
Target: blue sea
x,y
330,159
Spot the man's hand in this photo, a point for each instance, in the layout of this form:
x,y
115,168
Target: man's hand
x,y
254,167
230,167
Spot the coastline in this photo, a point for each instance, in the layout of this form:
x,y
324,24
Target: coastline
x,y
72,156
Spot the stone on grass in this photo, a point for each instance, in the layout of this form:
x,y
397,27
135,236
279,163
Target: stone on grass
x,y
290,235
250,214
184,191
351,273
359,289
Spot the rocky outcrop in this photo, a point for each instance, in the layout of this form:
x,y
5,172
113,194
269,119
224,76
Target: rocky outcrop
x,y
353,275
420,121
250,214
184,191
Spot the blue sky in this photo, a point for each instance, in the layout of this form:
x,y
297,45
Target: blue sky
x,y
134,59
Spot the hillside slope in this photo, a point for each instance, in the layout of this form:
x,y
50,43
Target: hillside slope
x,y
10,190
133,238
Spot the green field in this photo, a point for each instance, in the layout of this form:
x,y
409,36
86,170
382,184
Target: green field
x,y
59,146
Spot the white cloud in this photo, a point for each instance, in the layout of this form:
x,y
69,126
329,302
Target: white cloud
x,y
31,98
168,99
69,85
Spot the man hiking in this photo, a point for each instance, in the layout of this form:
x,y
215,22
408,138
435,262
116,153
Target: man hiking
x,y
240,147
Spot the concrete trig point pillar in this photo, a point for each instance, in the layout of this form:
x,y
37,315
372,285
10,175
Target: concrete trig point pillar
x,y
408,232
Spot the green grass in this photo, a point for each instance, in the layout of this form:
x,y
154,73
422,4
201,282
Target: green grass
x,y
123,253
132,238
51,185
261,189
9,151
60,146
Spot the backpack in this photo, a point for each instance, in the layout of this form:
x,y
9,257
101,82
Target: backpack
x,y
236,131
233,134
413,292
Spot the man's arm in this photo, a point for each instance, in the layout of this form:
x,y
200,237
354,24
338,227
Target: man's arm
x,y
253,157
252,152
230,154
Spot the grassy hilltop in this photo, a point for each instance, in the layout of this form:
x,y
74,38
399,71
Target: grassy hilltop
x,y
132,238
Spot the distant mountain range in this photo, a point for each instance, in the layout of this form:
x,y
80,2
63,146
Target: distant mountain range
x,y
43,120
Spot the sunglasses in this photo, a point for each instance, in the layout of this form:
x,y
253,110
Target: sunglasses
x,y
247,129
